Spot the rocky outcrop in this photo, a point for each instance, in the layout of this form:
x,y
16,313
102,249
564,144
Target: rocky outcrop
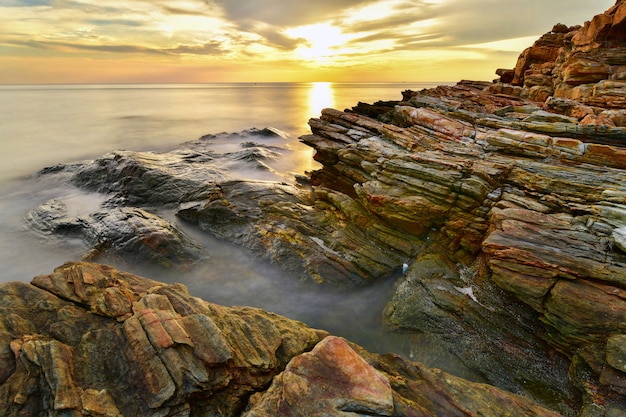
x,y
585,63
91,340
505,205
317,235
502,207
88,340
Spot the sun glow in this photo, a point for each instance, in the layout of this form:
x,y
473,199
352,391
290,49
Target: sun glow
x,y
321,41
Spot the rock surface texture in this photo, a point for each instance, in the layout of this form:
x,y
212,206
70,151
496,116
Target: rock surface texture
x,y
506,201
88,340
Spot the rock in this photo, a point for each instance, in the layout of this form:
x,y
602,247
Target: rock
x,y
581,63
529,205
69,349
436,298
420,391
164,178
340,244
619,237
506,75
331,380
508,212
132,346
616,352
544,116
126,233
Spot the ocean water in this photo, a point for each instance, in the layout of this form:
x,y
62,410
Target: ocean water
x,y
43,125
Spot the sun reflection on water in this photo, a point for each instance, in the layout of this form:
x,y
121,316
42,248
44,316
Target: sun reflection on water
x,y
321,96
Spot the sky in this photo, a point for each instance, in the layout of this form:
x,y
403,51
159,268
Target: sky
x,y
193,41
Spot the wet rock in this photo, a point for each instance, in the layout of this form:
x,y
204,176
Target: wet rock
x,y
164,352
619,237
126,233
138,185
453,304
420,391
339,244
534,207
144,178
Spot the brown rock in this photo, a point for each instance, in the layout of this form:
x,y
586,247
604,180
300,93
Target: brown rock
x,y
179,356
171,354
616,352
331,380
567,62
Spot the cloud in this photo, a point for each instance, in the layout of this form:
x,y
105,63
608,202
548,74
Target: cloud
x,y
212,48
181,11
288,13
420,25
24,3
276,38
355,34
115,22
481,21
59,45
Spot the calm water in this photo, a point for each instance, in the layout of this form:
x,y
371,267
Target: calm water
x,y
49,124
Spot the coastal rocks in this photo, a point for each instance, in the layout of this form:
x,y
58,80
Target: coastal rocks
x,y
91,340
320,235
504,205
94,341
140,189
128,234
325,236
456,305
520,204
322,382
585,63
140,178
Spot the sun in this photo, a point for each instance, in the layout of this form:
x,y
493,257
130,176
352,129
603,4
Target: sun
x,y
322,40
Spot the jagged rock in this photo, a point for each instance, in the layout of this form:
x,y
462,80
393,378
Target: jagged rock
x,y
126,227
619,236
511,211
530,205
331,380
164,178
338,244
94,341
582,63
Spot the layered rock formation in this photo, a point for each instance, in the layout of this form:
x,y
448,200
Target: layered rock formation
x,y
506,201
88,340
586,64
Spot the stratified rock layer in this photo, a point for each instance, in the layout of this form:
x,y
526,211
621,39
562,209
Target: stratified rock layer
x,y
586,64
504,202
89,340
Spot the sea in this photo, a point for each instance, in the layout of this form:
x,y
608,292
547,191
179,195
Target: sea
x,y
45,125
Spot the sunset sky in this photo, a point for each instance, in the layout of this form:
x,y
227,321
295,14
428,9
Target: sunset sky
x,y
117,41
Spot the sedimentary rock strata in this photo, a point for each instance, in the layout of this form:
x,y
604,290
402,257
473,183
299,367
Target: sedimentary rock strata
x,y
88,340
505,200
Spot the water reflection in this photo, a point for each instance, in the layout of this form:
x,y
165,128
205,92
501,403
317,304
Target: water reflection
x,y
321,96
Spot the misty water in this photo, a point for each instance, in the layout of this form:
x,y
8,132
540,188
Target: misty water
x,y
44,125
